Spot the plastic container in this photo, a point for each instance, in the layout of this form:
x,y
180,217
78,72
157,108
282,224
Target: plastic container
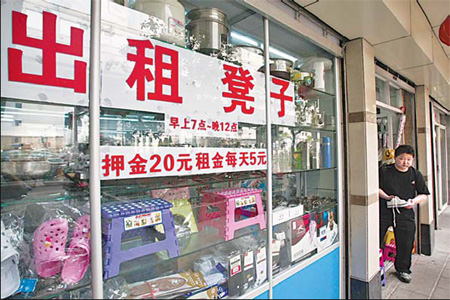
x,y
171,13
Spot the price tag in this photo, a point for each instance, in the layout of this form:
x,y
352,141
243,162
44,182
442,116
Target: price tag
x,y
276,246
244,201
248,260
144,220
235,265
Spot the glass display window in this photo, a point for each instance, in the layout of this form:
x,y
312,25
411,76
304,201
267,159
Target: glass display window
x,y
305,193
181,128
184,164
45,148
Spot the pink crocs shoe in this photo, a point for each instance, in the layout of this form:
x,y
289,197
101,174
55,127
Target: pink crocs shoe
x,y
49,246
79,252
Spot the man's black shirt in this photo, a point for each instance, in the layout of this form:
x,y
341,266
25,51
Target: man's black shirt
x,y
401,184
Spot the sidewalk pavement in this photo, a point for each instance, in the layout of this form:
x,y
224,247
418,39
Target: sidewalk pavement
x,y
430,274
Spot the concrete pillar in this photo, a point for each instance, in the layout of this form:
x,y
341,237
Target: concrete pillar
x,y
363,170
425,166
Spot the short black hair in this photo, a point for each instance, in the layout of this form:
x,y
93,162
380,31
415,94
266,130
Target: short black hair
x,y
404,149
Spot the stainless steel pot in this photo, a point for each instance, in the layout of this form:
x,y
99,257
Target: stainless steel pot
x,y
209,27
26,169
280,67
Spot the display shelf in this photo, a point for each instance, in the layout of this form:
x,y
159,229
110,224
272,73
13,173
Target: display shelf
x,y
126,187
302,264
307,91
303,171
200,241
45,294
255,292
194,245
328,129
55,196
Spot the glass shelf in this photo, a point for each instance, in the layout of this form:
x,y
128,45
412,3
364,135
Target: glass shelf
x,y
303,171
138,186
330,129
58,194
43,294
308,92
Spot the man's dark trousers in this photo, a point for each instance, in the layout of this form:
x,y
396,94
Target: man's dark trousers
x,y
404,232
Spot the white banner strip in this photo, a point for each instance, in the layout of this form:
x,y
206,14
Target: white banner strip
x,y
143,162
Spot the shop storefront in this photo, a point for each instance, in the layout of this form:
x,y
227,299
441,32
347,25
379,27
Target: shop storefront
x,y
219,164
439,124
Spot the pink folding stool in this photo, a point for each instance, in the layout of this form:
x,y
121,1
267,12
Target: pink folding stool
x,y
228,203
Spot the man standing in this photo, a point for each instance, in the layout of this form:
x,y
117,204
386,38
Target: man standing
x,y
401,187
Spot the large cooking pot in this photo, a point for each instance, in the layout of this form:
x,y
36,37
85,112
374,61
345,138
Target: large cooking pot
x,y
209,27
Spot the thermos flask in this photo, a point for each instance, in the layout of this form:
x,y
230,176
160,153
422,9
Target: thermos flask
x,y
326,152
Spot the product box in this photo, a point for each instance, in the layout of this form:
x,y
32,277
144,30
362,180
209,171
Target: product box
x,y
296,211
249,270
281,215
303,237
327,229
261,266
276,247
235,274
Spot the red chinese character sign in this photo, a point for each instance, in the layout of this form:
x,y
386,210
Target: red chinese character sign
x,y
44,61
199,95
239,87
141,74
134,162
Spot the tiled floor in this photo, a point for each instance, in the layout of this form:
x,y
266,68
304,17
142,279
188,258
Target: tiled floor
x,y
431,274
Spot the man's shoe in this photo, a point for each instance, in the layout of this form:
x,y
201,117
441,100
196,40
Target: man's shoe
x,y
404,277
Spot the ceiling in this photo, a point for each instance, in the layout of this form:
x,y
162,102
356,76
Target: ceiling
x,y
247,22
404,34
436,12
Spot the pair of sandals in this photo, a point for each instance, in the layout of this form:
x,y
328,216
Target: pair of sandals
x,y
49,245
